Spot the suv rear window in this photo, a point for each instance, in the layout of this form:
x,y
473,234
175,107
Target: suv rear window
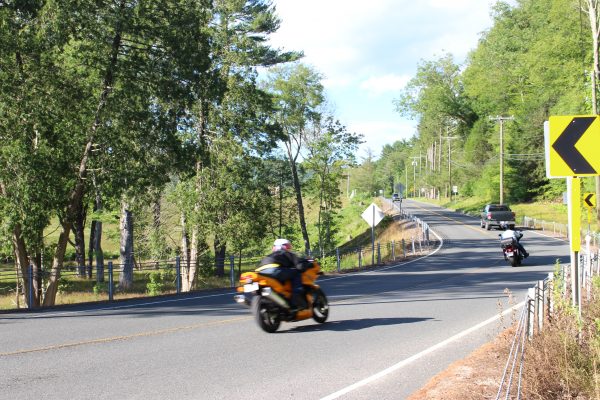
x,y
498,208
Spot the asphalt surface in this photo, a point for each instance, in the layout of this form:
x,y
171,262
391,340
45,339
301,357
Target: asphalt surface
x,y
389,331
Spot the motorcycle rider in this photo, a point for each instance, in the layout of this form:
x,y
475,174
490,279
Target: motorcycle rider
x,y
516,236
290,267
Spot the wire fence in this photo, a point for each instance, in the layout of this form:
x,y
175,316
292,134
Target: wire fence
x,y
112,281
557,229
539,309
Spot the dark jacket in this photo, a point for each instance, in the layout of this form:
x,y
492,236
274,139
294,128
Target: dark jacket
x,y
286,259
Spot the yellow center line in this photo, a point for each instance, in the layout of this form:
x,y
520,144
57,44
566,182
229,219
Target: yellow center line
x,y
125,337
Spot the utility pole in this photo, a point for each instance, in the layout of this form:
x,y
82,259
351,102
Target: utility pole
x,y
449,138
406,176
501,120
414,164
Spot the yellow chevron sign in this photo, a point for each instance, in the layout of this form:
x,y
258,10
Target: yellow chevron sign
x,y
589,200
572,146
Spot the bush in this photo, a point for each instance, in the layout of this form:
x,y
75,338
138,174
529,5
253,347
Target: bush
x,y
100,288
156,284
328,264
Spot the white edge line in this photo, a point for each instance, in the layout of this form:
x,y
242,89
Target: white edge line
x,y
415,357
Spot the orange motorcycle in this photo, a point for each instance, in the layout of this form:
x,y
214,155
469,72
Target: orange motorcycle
x,y
269,298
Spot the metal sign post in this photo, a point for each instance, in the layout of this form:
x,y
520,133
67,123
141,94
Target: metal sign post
x,y
574,194
373,215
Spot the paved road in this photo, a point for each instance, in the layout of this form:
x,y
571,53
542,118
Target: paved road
x,y
389,331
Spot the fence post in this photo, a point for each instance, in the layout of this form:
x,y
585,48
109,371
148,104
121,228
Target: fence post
x,y
378,253
30,286
413,246
530,312
393,250
110,281
231,267
550,294
337,258
359,257
403,248
540,305
178,274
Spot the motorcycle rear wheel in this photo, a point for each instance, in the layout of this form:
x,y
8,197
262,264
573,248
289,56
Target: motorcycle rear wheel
x,y
320,306
514,261
266,314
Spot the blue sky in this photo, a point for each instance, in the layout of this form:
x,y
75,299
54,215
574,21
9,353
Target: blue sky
x,y
368,50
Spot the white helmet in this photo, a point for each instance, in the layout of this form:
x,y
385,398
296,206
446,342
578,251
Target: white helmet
x,y
282,244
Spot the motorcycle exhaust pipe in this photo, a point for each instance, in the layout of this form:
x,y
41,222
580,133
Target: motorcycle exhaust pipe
x,y
270,294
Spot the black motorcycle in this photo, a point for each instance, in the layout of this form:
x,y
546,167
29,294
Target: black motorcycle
x,y
511,251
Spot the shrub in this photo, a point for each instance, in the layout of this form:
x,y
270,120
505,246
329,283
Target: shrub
x,y
328,264
156,285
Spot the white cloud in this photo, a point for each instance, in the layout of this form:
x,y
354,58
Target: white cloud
x,y
368,53
377,85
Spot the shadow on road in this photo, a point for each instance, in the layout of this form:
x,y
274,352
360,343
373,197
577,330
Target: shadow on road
x,y
354,324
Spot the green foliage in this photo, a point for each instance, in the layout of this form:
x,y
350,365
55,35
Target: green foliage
x,y
530,64
100,288
155,286
328,264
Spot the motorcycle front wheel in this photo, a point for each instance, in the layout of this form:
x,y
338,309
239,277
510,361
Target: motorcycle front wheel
x,y
320,306
266,314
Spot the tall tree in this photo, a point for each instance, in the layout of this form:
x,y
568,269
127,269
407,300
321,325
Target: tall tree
x,y
330,151
298,96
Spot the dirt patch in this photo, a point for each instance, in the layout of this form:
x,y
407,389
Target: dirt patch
x,y
475,377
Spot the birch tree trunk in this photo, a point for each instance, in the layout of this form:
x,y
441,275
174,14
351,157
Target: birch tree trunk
x,y
126,247
185,255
